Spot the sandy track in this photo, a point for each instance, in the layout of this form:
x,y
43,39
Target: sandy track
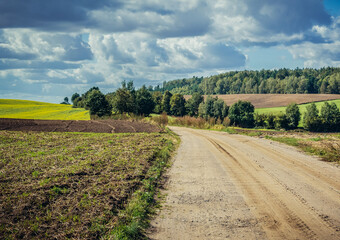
x,y
226,186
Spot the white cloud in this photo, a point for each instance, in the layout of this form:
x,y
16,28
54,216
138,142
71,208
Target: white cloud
x,y
151,41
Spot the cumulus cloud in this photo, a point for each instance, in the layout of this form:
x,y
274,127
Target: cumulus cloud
x,y
42,42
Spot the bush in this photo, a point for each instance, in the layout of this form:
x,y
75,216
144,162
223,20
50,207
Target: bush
x,y
281,121
242,114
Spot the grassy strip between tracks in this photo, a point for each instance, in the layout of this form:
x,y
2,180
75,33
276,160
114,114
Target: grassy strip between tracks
x,y
79,185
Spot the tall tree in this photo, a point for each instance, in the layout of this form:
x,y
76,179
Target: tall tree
x,y
293,115
242,114
193,103
123,101
144,101
177,105
97,104
166,102
330,117
311,119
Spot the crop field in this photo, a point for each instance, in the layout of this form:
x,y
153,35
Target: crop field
x,y
302,107
274,100
70,185
24,109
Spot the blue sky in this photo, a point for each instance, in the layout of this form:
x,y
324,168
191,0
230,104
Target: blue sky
x,y
52,49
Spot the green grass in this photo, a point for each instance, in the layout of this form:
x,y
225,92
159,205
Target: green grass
x,y
23,109
302,107
78,185
327,149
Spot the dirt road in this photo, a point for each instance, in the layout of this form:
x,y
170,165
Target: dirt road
x,y
224,186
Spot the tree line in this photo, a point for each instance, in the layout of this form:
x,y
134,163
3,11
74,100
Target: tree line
x,y
283,81
143,101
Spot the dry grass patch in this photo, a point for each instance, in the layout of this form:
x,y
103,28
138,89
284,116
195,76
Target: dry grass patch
x,y
69,185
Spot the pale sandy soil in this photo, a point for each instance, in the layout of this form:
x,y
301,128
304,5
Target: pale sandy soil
x,y
224,186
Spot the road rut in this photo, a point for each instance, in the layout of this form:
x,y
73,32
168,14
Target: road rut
x,y
224,186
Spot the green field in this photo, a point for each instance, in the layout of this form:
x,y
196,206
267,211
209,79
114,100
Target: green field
x,y
23,109
302,107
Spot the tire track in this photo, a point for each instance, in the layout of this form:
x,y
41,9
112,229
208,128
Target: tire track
x,y
278,198
286,195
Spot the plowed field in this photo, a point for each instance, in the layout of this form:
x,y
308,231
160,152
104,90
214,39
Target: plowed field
x,y
97,126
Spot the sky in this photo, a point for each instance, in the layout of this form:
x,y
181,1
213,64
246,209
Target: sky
x,y
51,49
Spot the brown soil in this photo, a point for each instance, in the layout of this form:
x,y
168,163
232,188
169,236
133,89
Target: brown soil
x,y
96,126
275,100
224,186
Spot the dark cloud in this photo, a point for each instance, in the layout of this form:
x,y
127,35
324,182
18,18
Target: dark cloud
x,y
220,56
12,64
154,55
288,16
195,22
8,53
49,14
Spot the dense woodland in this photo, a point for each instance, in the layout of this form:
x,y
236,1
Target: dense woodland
x,y
324,80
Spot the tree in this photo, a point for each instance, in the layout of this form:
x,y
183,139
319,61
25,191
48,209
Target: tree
x,y
157,98
242,114
97,104
65,101
220,109
123,101
193,103
166,102
311,119
74,97
144,101
293,115
206,108
177,105
330,117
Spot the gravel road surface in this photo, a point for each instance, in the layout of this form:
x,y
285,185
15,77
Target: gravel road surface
x,y
224,186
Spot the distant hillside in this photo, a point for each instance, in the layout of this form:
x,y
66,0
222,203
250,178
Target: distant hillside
x,y
282,81
10,108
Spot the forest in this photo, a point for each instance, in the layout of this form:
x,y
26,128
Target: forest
x,y
307,80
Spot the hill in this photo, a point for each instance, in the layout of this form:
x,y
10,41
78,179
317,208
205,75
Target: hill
x,y
282,81
23,109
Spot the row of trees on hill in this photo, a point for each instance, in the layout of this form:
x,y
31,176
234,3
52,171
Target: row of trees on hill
x,y
142,101
324,80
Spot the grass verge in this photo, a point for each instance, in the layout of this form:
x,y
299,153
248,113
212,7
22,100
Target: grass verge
x,y
326,147
134,219
78,185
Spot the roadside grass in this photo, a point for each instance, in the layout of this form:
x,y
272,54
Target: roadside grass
x,y
302,107
23,109
79,185
326,147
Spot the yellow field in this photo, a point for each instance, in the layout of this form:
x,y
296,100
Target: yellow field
x,y
23,109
